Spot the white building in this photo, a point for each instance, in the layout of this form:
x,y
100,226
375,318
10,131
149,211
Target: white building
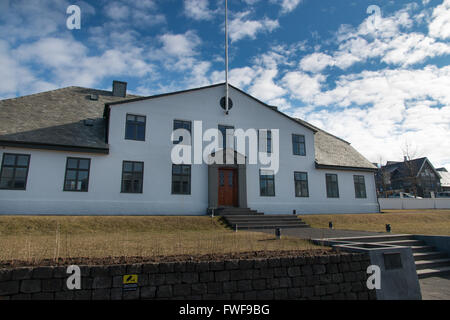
x,y
85,151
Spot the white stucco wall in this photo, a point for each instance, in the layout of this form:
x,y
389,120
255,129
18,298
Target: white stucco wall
x,y
45,195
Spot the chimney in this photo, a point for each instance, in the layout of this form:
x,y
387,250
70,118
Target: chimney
x,y
119,89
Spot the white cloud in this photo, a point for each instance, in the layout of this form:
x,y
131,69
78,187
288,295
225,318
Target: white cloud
x,y
303,86
386,107
139,13
21,79
264,87
239,77
198,9
391,41
287,5
67,62
180,44
241,26
440,26
117,11
316,62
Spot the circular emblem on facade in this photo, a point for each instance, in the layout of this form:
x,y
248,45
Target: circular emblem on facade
x,y
222,103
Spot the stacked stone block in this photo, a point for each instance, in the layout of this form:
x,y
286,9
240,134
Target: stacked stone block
x,y
328,277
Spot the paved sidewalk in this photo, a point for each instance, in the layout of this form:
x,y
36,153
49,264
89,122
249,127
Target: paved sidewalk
x,y
435,288
315,233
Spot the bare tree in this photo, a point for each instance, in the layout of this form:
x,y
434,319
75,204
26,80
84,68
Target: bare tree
x,y
383,178
410,153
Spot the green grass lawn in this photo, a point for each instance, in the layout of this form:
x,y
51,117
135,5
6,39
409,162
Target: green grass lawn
x,y
431,222
35,238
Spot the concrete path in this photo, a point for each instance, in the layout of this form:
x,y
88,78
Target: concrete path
x,y
315,233
435,288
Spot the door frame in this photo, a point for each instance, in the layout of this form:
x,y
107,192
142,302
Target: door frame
x,y
235,187
213,183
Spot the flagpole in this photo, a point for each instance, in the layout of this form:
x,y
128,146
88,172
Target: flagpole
x,y
226,58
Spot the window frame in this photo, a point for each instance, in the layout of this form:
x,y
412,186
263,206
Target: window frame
x,y
337,185
224,136
295,184
77,170
294,143
136,123
132,172
15,167
363,183
260,184
268,138
190,129
190,179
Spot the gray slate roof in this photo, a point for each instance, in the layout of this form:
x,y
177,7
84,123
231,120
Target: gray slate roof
x,y
334,151
57,118
445,178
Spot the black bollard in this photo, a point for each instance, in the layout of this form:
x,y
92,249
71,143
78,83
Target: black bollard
x,y
278,233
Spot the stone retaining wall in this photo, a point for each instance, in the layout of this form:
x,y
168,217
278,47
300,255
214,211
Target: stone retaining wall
x,y
338,276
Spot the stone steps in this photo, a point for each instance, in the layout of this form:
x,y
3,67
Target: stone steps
x,y
236,212
422,249
433,272
428,255
264,221
433,263
406,243
381,238
428,261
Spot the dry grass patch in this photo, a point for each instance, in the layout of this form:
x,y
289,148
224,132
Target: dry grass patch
x,y
431,222
34,239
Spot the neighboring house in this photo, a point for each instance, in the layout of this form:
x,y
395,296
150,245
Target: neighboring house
x,y
85,151
417,176
445,179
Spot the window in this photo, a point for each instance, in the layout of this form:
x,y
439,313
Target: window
x,y
14,172
77,174
135,128
181,179
181,124
265,140
332,185
227,136
298,145
266,183
360,187
132,176
301,184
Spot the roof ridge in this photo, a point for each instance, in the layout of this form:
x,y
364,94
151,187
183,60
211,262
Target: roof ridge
x,y
39,93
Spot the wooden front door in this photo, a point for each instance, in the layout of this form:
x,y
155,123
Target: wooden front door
x,y
228,187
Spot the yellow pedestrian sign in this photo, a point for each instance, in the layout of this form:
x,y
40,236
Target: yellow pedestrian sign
x,y
130,279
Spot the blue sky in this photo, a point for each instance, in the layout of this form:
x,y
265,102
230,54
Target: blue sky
x,y
381,82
